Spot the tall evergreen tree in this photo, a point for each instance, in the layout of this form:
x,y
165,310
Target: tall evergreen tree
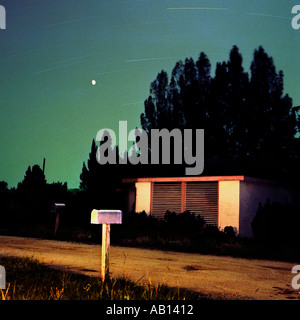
x,y
34,179
218,110
204,84
102,180
190,94
32,198
272,124
175,97
90,173
230,100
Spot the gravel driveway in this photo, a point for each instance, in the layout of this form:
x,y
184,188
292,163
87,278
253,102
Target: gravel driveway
x,y
220,277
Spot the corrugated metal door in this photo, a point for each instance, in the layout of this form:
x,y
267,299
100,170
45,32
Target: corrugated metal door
x,y
165,196
202,198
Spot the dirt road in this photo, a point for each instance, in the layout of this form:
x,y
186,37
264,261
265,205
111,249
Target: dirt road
x,y
221,277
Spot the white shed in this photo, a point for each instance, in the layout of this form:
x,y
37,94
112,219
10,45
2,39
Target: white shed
x,y
221,200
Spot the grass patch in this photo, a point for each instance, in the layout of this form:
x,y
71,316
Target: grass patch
x,y
27,279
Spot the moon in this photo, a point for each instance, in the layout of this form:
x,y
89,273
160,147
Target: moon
x,y
94,82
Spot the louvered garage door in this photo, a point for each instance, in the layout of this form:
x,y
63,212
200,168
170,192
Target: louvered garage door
x,y
202,198
166,196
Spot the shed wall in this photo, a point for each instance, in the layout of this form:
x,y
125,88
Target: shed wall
x,y
228,204
253,193
143,197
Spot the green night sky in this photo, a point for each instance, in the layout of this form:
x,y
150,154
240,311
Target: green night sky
x,y
51,50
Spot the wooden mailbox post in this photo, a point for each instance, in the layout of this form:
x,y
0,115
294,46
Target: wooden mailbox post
x,y
106,218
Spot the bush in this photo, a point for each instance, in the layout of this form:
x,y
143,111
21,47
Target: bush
x,y
185,224
135,225
229,232
183,231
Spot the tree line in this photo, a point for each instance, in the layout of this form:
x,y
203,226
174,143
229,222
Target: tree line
x,y
246,117
250,123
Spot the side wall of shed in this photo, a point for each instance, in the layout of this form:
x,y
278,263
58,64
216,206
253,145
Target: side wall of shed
x,y
253,193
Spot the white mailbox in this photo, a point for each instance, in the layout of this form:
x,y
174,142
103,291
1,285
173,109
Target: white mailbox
x,y
106,217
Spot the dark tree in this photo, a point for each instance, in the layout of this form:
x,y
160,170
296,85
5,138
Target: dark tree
x,y
32,203
101,181
272,122
5,202
183,103
90,173
228,107
190,94
157,112
175,97
204,86
247,119
3,185
34,178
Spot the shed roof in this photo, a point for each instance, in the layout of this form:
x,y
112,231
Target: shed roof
x,y
197,179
